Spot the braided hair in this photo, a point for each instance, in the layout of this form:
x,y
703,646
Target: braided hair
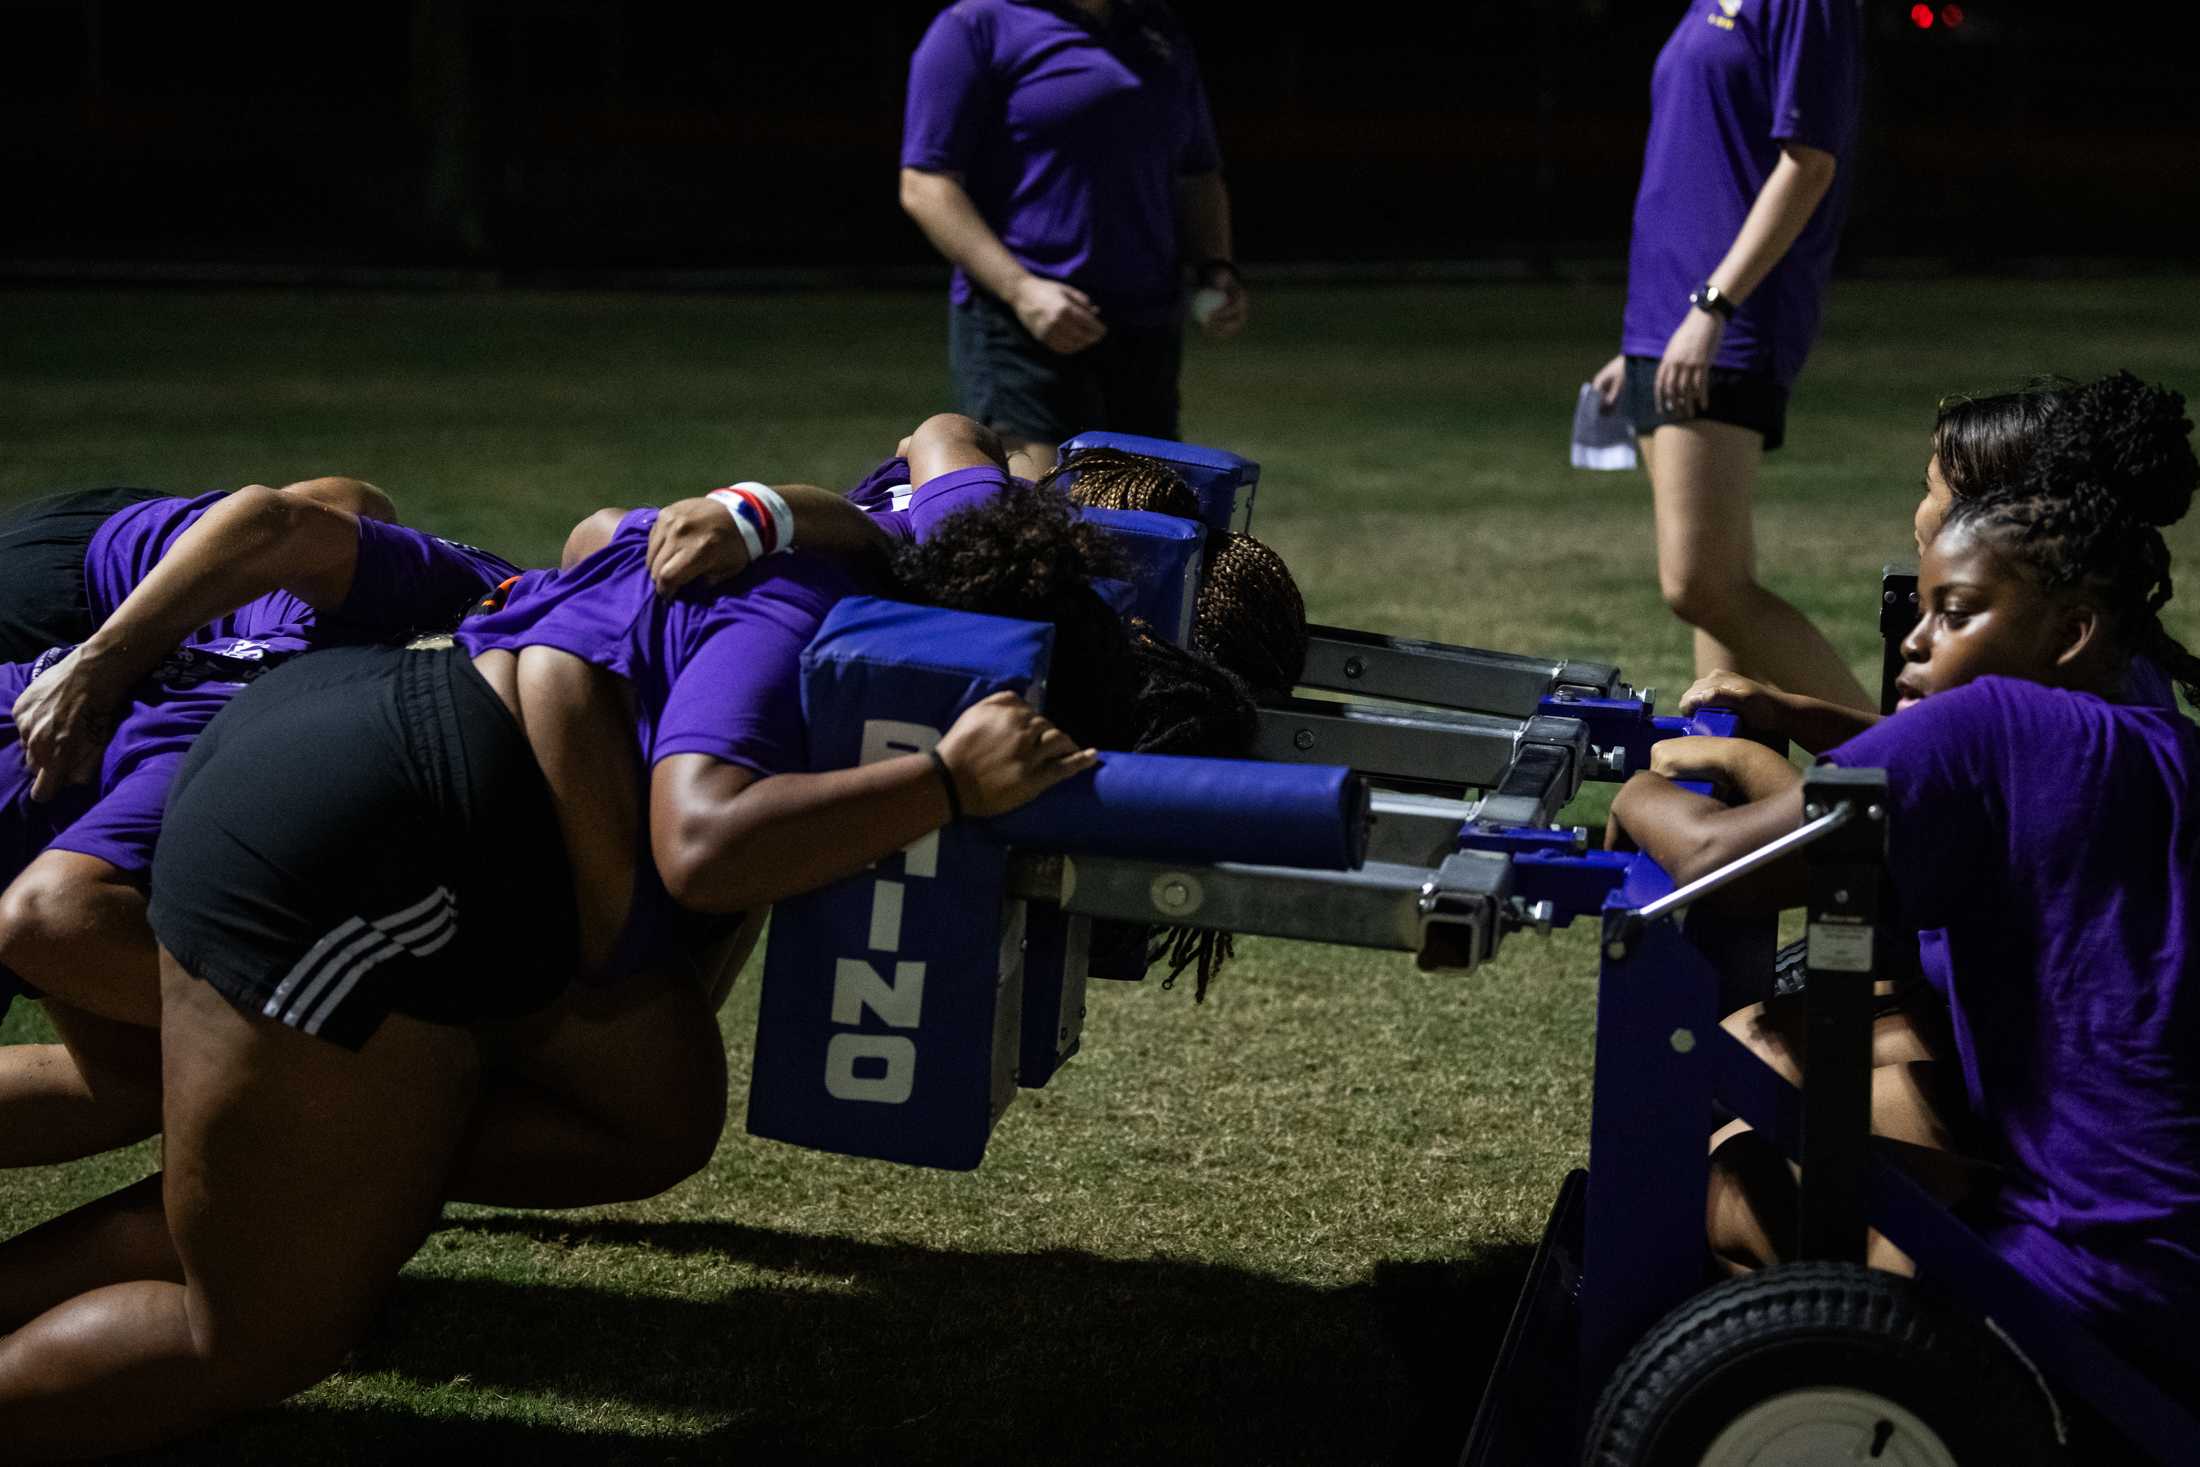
x,y
1109,478
1248,614
1984,443
2111,467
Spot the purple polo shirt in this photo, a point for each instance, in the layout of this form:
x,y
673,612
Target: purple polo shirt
x,y
714,671
2046,845
406,580
1737,79
911,515
1069,135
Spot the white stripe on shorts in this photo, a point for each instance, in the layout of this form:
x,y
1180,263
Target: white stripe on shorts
x,y
329,973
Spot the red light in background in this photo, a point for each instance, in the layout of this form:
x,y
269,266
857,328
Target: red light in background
x,y
1951,16
1921,16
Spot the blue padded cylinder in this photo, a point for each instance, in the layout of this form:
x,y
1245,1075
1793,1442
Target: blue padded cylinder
x,y
1165,554
1224,482
1166,807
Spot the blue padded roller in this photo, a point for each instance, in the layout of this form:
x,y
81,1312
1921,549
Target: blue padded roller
x,y
1165,556
1166,807
1224,482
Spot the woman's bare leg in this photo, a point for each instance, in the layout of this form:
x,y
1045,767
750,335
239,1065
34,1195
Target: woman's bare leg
x,y
97,1089
1703,482
614,1093
300,1178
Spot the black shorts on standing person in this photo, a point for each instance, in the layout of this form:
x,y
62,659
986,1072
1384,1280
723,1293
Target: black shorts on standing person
x,y
363,832
43,603
1008,380
1747,399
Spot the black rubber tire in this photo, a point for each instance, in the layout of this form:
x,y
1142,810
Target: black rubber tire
x,y
1819,1324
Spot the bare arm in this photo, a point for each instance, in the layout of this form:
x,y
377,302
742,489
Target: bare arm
x,y
1058,314
1691,835
252,542
1204,234
695,540
1782,210
727,841
1814,723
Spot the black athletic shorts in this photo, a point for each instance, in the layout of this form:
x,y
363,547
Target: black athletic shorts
x,y
42,545
1745,399
365,832
1124,383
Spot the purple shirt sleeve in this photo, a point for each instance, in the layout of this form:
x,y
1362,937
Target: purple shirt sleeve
x,y
739,699
409,580
943,494
1943,758
949,93
1816,61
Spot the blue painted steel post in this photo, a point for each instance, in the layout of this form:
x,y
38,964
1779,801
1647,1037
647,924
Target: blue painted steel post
x,y
1644,1252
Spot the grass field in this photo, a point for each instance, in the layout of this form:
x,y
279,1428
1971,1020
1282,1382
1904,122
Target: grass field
x,y
1284,1227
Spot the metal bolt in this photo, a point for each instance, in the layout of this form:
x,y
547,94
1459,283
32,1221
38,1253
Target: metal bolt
x,y
1615,950
1813,811
1886,598
1353,667
1683,1040
1874,812
1303,740
1061,1035
1841,898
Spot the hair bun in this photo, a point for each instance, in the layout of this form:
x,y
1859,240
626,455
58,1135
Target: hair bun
x,y
2129,440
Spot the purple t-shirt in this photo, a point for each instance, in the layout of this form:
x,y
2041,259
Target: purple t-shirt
x,y
1734,82
407,580
911,515
714,671
1070,135
2046,845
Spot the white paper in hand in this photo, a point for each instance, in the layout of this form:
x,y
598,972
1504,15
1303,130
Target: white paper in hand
x,y
1603,437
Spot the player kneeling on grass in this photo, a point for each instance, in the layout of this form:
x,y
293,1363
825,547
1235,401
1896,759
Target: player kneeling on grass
x,y
2045,845
363,894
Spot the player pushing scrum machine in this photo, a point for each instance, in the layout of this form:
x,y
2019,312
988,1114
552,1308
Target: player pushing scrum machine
x,y
350,906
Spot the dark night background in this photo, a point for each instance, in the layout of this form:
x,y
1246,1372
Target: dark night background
x,y
553,141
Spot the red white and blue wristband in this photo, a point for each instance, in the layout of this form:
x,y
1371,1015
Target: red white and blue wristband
x,y
763,518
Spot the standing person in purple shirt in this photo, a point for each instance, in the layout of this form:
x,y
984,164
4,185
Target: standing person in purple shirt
x,y
1060,154
1745,182
2045,845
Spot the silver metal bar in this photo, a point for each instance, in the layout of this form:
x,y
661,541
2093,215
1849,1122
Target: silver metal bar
x,y
1467,678
1681,898
1419,830
1423,746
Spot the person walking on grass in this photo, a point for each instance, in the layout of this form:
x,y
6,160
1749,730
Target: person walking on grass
x,y
1060,155
1745,184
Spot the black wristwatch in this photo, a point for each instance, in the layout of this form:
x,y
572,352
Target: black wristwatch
x,y
1708,297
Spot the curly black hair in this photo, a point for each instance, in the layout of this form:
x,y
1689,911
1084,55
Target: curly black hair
x,y
1984,443
1025,553
2111,467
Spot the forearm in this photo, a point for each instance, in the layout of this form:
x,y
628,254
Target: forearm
x,y
1818,725
792,833
253,542
1691,835
824,520
944,210
1203,217
1783,208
